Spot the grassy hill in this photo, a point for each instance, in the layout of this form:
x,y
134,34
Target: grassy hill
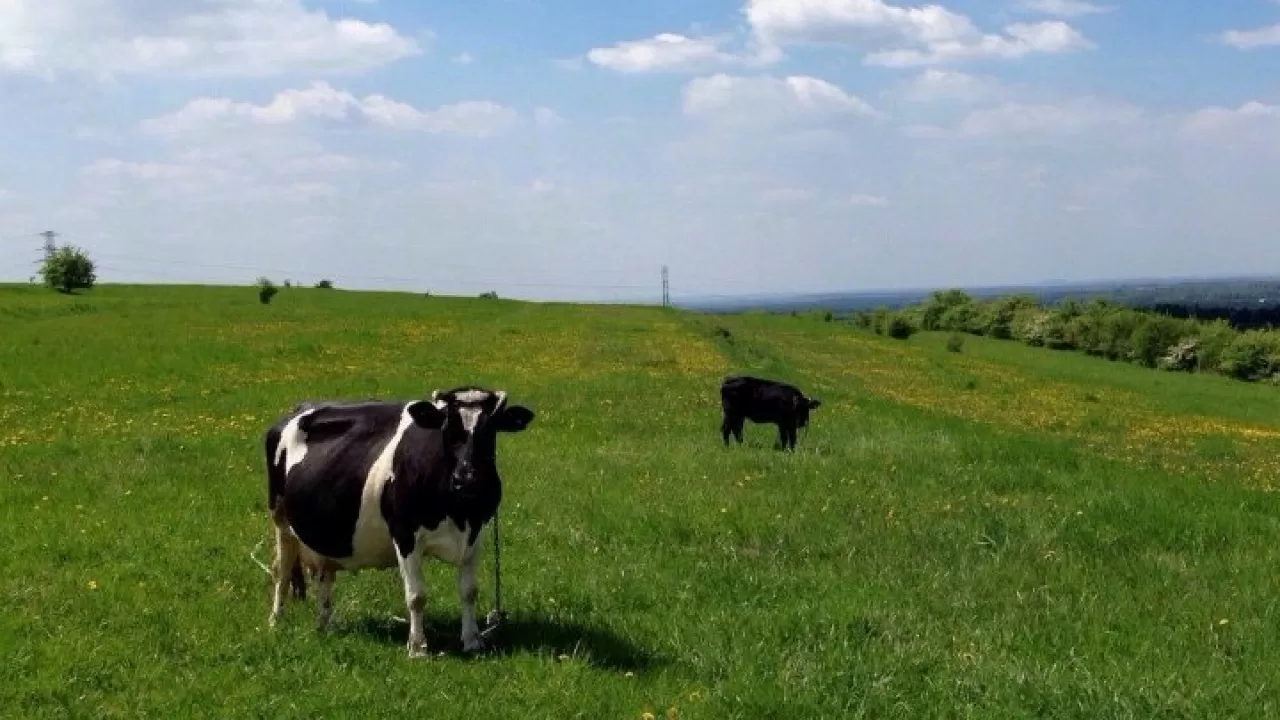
x,y
1004,532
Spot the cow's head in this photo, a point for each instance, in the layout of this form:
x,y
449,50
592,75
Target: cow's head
x,y
471,418
803,406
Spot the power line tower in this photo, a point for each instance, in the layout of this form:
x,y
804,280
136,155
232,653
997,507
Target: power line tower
x,y
49,235
666,288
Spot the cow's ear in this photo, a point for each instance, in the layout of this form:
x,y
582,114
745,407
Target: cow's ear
x,y
514,418
814,404
426,415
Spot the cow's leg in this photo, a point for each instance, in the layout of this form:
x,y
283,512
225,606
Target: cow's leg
x,y
282,570
471,638
726,428
786,435
324,597
735,427
415,598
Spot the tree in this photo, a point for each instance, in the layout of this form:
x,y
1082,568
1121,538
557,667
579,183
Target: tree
x,y
68,268
266,290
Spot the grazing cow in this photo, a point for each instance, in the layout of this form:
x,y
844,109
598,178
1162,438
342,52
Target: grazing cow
x,y
354,485
764,401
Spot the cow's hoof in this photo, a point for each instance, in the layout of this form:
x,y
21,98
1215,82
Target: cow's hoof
x,y
476,646
418,651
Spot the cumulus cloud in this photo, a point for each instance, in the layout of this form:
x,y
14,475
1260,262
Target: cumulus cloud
x,y
1064,8
862,200
673,52
897,36
662,52
321,102
939,85
1067,118
1251,39
1253,125
545,117
771,100
251,38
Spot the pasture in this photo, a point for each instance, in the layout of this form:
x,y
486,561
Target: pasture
x,y
1004,532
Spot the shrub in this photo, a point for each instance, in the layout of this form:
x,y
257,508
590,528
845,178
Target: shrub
x,y
68,268
325,284
1252,355
938,305
266,290
1182,357
955,342
1212,340
899,327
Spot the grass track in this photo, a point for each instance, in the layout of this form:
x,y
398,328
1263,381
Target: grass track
x,y
1001,533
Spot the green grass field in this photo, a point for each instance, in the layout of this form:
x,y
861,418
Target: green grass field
x,y
1001,533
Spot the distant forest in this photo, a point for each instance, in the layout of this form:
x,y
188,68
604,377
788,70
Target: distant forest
x,y
1245,305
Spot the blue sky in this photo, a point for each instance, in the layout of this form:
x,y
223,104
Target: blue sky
x,y
550,149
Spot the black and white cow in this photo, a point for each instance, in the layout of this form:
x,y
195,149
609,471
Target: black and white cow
x,y
354,485
764,401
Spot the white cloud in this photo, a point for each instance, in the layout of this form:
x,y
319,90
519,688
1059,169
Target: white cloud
x,y
464,58
1252,125
939,85
898,36
251,166
545,117
322,102
1068,118
861,200
1021,39
1064,8
785,195
252,38
662,52
1250,39
769,100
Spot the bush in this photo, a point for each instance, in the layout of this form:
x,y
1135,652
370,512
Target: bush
x,y
939,303
266,290
962,318
68,268
955,342
325,284
1252,355
899,327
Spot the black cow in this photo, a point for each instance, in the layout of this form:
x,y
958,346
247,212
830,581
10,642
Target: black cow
x,y
353,485
764,401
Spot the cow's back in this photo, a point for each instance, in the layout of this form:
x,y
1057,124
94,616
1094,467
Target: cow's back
x,y
758,399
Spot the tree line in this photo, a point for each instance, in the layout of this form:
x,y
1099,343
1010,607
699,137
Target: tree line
x,y
1099,327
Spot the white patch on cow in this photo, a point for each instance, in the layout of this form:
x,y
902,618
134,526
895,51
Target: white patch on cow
x,y
293,442
472,396
470,418
447,542
371,544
